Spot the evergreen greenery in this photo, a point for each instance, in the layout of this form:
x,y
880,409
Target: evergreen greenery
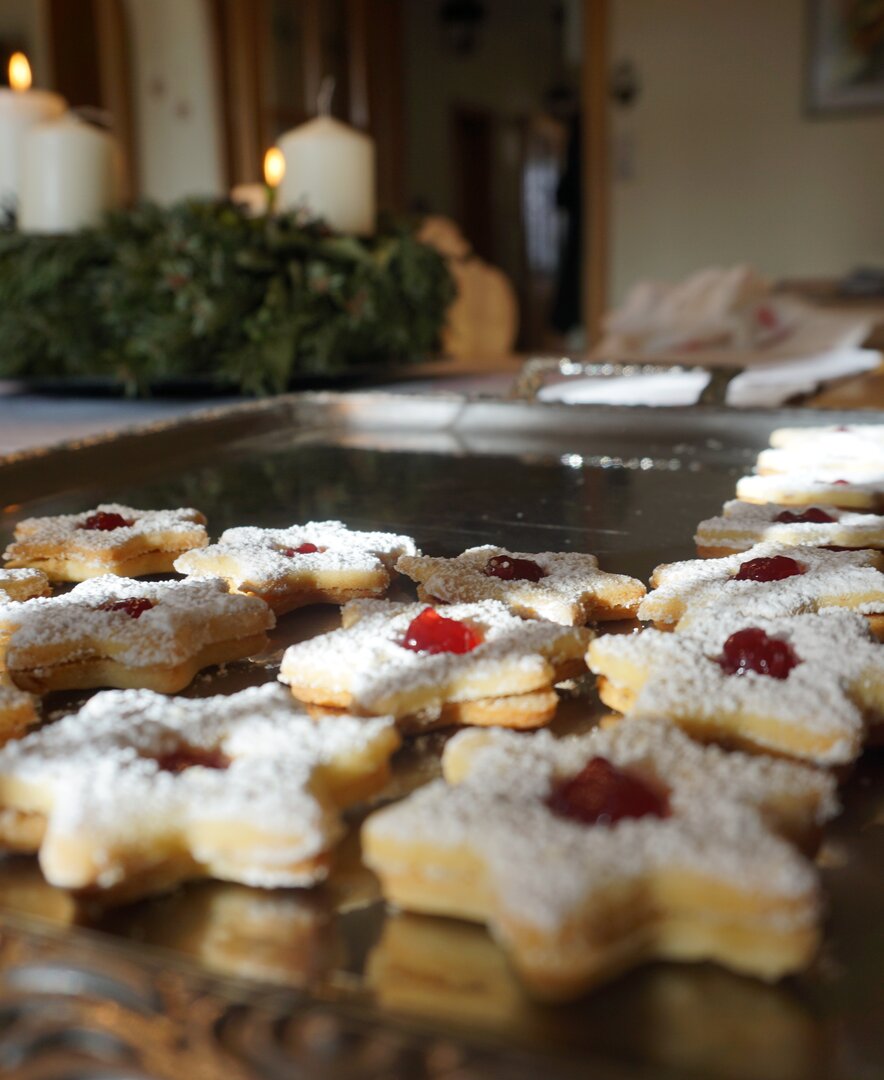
x,y
200,290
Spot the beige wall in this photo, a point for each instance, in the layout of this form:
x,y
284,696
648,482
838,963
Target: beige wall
x,y
725,165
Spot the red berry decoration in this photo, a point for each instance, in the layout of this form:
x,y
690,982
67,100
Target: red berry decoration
x,y
812,514
507,568
134,607
769,568
841,483
430,632
752,650
304,549
186,757
602,794
103,522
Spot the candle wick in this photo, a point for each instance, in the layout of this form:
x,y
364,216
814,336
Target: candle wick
x,y
325,95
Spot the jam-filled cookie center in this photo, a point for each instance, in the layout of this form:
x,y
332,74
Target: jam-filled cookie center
x,y
769,568
509,568
603,794
102,521
813,515
752,650
430,632
185,756
134,606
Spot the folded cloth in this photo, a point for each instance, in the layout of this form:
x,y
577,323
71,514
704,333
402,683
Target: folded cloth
x,y
766,384
731,308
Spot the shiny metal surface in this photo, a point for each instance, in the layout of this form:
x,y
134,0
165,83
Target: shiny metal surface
x,y
218,980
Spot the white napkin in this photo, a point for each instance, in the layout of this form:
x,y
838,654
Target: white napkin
x,y
766,384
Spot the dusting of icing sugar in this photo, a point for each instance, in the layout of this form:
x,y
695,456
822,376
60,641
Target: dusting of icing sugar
x,y
834,434
744,524
544,869
162,530
854,460
850,579
826,694
573,584
186,617
254,558
366,660
809,487
12,699
107,787
22,584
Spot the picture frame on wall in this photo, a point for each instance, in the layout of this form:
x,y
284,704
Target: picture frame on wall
x,y
845,56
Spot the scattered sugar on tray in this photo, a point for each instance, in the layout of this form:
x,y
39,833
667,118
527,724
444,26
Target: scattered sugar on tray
x,y
187,616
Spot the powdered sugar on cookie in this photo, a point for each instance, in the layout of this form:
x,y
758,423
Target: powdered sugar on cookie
x,y
819,710
779,580
565,587
134,778
744,524
22,585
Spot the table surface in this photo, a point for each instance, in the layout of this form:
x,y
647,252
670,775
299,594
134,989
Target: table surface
x,y
29,420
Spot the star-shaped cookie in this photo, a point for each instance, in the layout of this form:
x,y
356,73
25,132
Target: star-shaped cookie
x,y
23,585
768,580
807,686
808,488
109,539
137,791
743,524
829,461
590,854
565,587
837,434
113,631
322,562
463,663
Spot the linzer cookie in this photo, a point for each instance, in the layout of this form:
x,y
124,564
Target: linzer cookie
x,y
464,663
17,712
768,580
111,539
113,631
565,587
843,434
590,854
137,791
23,585
322,562
854,461
742,525
809,489
807,685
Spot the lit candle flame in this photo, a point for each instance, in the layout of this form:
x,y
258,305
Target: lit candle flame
x,y
19,72
274,167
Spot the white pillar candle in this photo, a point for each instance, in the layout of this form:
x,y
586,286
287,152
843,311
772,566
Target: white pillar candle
x,y
71,176
20,109
330,171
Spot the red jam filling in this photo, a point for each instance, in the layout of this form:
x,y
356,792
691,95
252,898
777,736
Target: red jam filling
x,y
103,522
602,794
304,549
812,514
430,632
186,757
841,483
752,650
769,568
134,607
507,568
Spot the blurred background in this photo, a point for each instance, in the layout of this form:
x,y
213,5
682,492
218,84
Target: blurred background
x,y
580,146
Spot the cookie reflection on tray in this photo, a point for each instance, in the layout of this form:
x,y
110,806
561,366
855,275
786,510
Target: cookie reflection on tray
x,y
710,1022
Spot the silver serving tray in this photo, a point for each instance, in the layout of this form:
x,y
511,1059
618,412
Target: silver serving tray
x,y
217,980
